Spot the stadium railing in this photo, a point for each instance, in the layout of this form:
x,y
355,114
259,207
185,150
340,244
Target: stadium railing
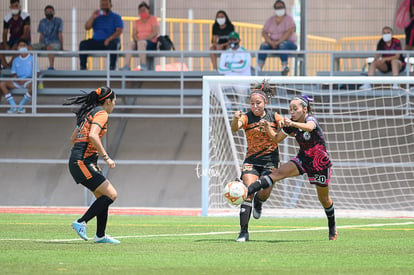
x,y
179,82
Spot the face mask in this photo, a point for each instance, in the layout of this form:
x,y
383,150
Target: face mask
x,y
15,11
49,15
221,21
233,45
23,50
144,15
387,37
280,12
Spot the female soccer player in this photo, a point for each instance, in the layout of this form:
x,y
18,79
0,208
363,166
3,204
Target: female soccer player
x,y
312,159
262,153
91,125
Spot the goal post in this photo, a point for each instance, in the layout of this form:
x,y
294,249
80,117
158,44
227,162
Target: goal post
x,y
369,133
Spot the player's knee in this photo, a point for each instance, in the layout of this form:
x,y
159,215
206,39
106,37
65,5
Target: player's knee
x,y
113,195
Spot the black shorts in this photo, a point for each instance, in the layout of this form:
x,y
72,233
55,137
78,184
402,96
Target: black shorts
x,y
86,173
258,169
389,68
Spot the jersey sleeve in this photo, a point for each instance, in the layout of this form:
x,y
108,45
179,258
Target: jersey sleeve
x,y
287,130
244,119
278,118
100,118
313,119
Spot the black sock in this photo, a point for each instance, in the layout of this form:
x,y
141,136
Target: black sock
x,y
101,204
260,184
245,211
330,214
101,220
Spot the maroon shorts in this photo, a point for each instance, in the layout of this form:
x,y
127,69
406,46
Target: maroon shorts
x,y
321,178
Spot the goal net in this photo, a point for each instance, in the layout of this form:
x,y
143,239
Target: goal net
x,y
369,134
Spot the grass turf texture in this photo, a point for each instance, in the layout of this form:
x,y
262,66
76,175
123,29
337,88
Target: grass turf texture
x,y
46,244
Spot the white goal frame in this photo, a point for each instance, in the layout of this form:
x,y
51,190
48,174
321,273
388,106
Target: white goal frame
x,y
330,91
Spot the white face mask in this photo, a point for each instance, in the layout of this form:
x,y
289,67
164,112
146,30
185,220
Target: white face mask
x,y
387,37
280,12
23,50
221,21
15,11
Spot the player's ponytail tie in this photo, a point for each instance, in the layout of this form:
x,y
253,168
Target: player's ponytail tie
x,y
106,93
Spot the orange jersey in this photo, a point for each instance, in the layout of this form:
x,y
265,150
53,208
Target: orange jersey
x,y
260,147
83,148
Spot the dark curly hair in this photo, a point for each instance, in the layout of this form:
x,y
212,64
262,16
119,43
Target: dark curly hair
x,y
89,101
263,89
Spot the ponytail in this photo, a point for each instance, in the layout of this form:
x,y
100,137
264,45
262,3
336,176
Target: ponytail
x,y
89,101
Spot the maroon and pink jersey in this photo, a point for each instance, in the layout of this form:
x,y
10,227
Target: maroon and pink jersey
x,y
313,151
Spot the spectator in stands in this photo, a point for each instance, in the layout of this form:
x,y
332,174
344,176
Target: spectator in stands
x,y
144,36
409,30
279,32
387,62
235,61
50,38
22,67
17,22
222,27
107,27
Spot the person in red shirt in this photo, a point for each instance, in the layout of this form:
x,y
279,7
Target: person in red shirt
x,y
387,62
144,36
17,23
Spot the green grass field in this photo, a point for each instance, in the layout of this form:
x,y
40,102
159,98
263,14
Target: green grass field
x,y
46,244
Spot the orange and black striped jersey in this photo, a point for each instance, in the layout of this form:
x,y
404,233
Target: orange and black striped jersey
x,y
83,148
260,147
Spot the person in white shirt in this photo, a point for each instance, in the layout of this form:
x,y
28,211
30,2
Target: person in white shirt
x,y
235,61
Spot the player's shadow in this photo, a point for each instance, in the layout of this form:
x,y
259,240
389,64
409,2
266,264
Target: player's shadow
x,y
252,241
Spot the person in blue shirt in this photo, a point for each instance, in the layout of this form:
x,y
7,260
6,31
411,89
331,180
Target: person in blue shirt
x,y
50,38
22,68
107,27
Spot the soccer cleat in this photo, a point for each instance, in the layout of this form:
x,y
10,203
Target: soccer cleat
x,y
12,110
257,207
105,239
332,233
80,228
243,237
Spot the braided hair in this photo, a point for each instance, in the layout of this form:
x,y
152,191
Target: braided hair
x,y
89,101
264,90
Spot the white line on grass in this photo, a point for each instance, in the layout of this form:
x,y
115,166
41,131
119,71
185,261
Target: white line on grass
x,y
215,233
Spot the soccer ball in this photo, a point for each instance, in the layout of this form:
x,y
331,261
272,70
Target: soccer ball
x,y
235,192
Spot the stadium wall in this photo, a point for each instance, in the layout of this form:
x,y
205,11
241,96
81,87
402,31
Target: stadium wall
x,y
137,185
